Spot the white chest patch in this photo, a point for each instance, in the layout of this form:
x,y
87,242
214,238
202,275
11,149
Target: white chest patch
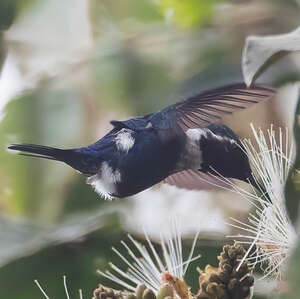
x,y
124,140
196,134
104,182
191,157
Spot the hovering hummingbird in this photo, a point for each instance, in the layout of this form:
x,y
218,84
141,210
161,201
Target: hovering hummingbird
x,y
180,145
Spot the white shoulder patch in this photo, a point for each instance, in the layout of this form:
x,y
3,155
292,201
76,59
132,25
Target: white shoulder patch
x,y
124,140
104,182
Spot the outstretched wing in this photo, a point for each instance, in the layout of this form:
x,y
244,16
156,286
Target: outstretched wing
x,y
208,107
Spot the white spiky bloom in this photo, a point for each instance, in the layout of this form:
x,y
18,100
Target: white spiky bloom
x,y
65,287
269,233
148,267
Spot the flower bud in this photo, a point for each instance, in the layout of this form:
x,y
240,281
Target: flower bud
x,y
140,290
148,294
166,290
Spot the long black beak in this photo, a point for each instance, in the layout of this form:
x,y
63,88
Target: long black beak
x,y
259,187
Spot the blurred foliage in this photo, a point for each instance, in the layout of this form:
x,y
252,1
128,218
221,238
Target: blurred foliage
x,y
293,184
125,73
79,261
38,117
140,10
8,10
2,50
193,13
292,201
137,53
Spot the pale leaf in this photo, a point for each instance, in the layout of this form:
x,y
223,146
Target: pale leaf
x,y
259,49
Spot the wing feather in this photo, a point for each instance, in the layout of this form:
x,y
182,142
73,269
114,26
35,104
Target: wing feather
x,y
194,180
209,106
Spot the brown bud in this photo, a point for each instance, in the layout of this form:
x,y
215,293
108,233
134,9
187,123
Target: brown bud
x,y
247,281
106,293
216,290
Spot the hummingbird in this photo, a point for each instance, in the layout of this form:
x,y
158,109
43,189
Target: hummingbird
x,y
185,144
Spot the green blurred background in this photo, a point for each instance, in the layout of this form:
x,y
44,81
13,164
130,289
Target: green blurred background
x,y
68,67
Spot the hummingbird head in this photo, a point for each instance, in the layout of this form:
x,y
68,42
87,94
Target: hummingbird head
x,y
223,154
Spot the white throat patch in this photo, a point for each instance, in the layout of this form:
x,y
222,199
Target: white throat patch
x,y
124,140
104,182
196,134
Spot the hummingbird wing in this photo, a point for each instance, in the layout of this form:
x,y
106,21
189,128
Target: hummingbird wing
x,y
194,180
208,107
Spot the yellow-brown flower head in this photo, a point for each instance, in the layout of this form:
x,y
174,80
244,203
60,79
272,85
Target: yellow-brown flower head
x,y
230,280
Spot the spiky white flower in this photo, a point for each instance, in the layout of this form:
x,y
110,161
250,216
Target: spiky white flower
x,y
269,233
148,267
65,286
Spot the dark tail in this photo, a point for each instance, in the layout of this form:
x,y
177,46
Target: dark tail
x,y
72,157
40,151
